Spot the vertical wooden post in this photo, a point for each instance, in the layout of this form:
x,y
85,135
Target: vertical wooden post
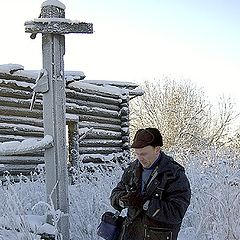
x,y
53,25
54,115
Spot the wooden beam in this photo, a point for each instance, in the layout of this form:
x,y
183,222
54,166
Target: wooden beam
x,y
59,26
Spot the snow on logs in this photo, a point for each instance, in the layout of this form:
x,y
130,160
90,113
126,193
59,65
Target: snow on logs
x,y
97,113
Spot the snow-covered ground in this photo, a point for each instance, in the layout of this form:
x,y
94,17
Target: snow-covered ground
x,y
213,214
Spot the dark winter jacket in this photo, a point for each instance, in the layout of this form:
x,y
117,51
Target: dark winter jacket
x,y
166,200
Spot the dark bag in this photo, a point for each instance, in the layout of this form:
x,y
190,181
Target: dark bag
x,y
110,226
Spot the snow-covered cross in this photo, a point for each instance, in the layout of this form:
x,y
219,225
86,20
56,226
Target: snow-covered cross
x,y
53,25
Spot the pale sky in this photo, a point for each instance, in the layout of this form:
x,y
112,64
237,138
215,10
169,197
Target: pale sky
x,y
136,40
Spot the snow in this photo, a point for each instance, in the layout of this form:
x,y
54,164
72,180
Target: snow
x,y
112,83
74,79
28,145
74,75
55,3
213,213
98,89
37,225
17,70
72,117
26,74
10,68
50,20
123,87
17,83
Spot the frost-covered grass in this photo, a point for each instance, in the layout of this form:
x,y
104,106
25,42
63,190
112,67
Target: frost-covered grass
x,y
213,214
214,211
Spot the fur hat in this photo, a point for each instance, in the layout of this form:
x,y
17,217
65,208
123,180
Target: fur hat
x,y
146,137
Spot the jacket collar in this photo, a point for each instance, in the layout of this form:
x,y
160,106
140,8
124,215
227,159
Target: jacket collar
x,y
163,164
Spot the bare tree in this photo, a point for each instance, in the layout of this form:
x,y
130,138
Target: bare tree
x,y
182,113
223,122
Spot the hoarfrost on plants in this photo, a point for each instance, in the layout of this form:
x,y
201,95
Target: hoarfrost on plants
x,y
213,212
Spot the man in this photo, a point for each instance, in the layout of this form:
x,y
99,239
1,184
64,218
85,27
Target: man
x,y
154,189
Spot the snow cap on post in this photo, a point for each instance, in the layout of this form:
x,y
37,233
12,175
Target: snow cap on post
x,y
55,3
52,9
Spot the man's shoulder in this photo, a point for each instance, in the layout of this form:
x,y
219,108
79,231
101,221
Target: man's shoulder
x,y
171,164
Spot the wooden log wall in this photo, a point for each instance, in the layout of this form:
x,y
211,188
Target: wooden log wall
x,y
97,117
17,122
101,118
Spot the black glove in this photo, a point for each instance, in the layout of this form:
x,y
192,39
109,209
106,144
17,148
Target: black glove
x,y
133,199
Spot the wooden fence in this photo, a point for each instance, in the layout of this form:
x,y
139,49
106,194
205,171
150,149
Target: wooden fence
x,y
97,118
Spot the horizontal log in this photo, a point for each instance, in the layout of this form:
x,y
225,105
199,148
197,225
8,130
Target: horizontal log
x,y
100,143
99,150
21,133
99,119
10,137
20,75
22,120
94,104
12,92
74,108
28,146
93,97
101,159
100,134
21,160
20,103
16,84
93,89
22,112
21,127
103,126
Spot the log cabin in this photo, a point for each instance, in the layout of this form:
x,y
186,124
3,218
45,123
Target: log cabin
x,y
97,117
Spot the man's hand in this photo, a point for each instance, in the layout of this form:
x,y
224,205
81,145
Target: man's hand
x,y
133,199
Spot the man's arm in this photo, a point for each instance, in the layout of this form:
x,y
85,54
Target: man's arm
x,y
118,192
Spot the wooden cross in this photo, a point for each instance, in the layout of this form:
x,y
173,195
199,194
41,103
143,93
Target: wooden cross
x,y
53,25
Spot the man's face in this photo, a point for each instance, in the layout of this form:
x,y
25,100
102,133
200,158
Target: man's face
x,y
147,155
